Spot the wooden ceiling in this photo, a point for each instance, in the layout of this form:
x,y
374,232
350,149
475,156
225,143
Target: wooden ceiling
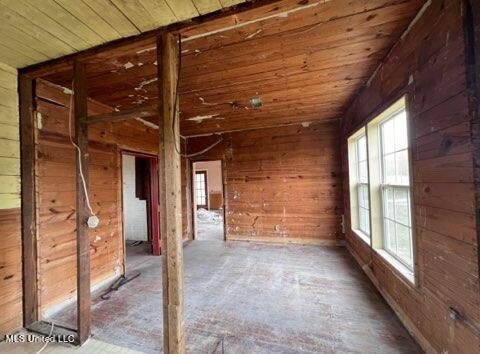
x,y
306,60
34,31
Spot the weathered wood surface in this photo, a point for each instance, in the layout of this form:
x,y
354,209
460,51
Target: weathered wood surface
x,y
63,27
79,120
56,193
170,197
29,230
10,212
443,311
10,271
282,184
305,66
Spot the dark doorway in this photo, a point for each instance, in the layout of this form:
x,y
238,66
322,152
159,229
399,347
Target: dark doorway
x,y
140,204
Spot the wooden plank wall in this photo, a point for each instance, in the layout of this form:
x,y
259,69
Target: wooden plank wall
x,y
56,193
443,310
282,184
10,221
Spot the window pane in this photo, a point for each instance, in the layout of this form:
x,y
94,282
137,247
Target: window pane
x,y
389,169
366,202
401,140
388,136
361,219
390,242
362,172
401,167
367,223
404,243
388,203
362,148
402,208
363,196
364,221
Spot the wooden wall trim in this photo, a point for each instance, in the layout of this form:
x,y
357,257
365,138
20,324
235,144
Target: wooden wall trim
x,y
28,195
284,240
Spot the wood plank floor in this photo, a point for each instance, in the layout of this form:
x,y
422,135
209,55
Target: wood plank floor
x,y
255,298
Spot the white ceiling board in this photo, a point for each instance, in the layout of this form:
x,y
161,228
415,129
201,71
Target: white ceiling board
x,y
33,31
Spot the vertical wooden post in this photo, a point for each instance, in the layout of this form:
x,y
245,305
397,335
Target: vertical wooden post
x,y
26,89
472,59
83,243
170,198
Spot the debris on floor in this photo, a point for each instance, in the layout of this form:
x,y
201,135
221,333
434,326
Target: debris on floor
x,y
115,286
210,216
209,225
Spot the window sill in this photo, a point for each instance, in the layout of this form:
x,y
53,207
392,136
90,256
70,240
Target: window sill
x,y
398,266
362,236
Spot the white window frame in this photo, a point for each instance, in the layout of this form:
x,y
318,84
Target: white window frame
x,y
395,187
354,185
362,185
377,190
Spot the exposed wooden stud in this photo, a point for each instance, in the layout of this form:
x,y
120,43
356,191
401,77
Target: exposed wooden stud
x,y
170,197
29,232
117,116
472,38
83,244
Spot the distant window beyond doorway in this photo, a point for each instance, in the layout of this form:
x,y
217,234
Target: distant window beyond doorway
x,y
201,189
207,196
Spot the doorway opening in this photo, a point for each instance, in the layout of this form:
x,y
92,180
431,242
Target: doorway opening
x,y
140,206
208,201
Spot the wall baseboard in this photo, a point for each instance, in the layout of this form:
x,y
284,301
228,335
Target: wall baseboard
x,y
407,323
287,240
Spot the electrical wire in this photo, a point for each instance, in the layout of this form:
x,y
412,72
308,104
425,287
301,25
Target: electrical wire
x,y
174,119
48,341
84,184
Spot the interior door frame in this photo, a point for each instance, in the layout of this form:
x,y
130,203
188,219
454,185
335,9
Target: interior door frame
x,y
153,207
192,194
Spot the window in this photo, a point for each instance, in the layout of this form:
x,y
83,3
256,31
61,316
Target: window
x,y
362,186
397,224
380,191
201,189
359,198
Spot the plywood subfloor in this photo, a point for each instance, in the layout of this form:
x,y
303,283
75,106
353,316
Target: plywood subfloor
x,y
256,298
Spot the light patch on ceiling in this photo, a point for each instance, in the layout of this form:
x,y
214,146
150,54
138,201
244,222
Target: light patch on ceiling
x,y
147,123
305,124
39,121
128,65
145,83
146,50
201,118
254,34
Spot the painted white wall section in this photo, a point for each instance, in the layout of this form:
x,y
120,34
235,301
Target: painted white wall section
x,y
134,209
